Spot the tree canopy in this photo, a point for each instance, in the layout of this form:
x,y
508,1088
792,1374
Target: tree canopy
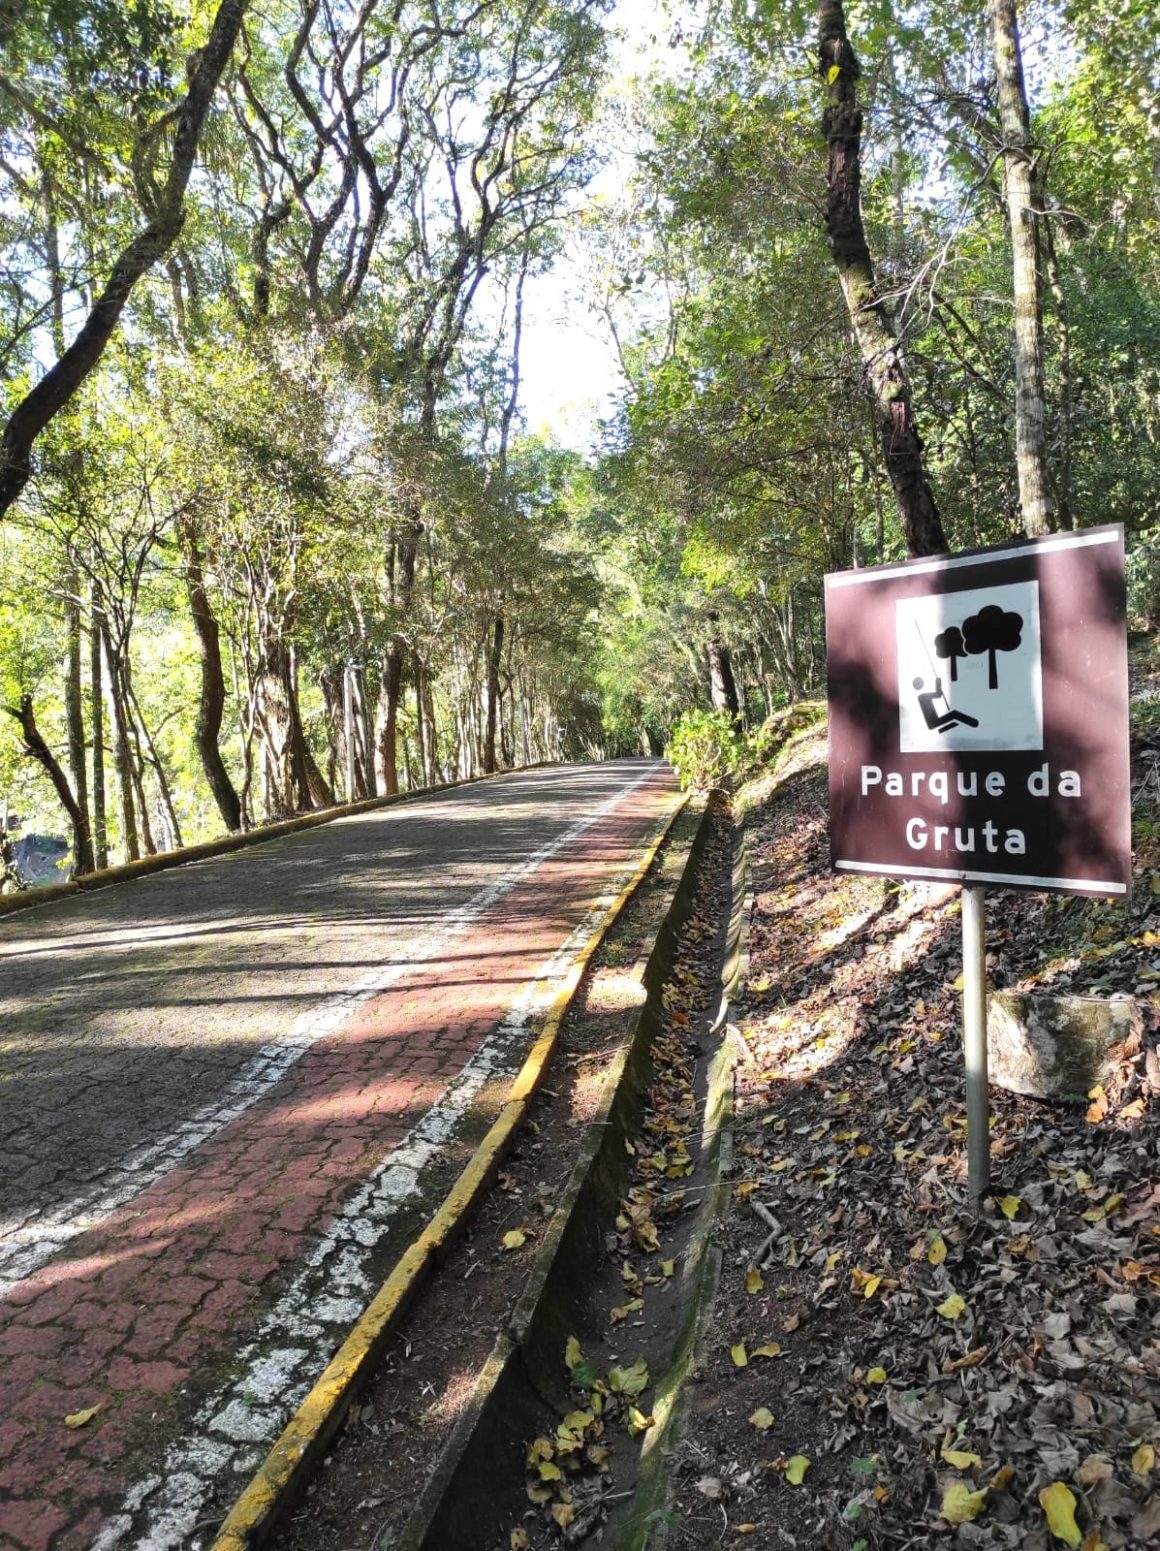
x,y
273,529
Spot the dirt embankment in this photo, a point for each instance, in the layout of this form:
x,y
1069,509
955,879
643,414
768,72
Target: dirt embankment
x,y
895,1373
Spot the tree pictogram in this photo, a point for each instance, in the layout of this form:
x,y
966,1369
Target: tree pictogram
x,y
950,644
992,630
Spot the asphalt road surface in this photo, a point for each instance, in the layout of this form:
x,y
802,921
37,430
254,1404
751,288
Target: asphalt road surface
x,y
227,1093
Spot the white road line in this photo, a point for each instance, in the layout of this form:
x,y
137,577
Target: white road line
x,y
27,1243
234,1429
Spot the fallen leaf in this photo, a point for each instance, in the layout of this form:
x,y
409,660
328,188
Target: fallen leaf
x,y
563,1514
668,1267
952,1307
960,1505
514,1239
767,1349
876,1376
961,1459
79,1418
518,1541
710,1487
795,1470
754,1281
638,1422
1094,1469
1009,1206
1143,1460
871,1287
937,1252
1058,1503
762,1418
739,1355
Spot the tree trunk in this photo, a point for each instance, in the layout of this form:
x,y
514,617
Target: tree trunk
x,y
722,685
75,716
36,748
1062,481
154,758
494,658
166,216
421,722
883,360
1023,218
212,695
136,757
121,760
97,709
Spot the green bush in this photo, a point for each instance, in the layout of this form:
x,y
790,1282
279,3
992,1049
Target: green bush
x,y
704,749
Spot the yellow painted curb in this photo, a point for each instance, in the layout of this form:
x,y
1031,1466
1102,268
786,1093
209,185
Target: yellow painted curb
x,y
318,1417
164,861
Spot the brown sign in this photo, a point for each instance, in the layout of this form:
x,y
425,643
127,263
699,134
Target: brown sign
x,y
979,716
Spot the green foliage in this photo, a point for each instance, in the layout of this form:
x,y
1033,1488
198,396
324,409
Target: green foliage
x,y
705,749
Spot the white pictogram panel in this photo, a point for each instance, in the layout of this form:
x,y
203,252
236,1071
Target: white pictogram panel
x,y
970,674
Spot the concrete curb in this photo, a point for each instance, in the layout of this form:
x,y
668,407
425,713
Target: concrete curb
x,y
281,1476
507,1399
31,899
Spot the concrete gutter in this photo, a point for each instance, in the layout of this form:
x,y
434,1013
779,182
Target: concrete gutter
x,y
652,1528
299,1450
506,1405
31,899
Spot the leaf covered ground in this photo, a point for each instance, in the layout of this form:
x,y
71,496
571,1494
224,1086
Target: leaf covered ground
x,y
882,1368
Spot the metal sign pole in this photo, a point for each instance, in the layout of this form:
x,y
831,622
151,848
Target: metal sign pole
x,y
974,900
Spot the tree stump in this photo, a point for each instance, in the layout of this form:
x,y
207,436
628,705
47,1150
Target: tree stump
x,y
1055,1047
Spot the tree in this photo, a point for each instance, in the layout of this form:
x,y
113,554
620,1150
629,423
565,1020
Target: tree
x,y
1021,160
882,353
164,205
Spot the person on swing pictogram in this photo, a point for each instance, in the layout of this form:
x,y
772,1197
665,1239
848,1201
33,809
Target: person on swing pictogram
x,y
943,721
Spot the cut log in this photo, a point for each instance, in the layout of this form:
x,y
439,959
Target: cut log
x,y
1055,1047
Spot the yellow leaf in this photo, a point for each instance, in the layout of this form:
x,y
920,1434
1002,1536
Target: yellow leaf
x,y
762,1419
832,74
937,1252
1009,1206
960,1505
563,1514
637,1422
668,1267
1143,1460
550,1471
79,1418
872,1287
747,1529
768,1349
739,1355
518,1540
876,1376
1058,1503
952,1307
754,1281
514,1239
961,1459
795,1470
573,1355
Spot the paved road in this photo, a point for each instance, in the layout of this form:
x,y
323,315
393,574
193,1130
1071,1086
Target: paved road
x,y
225,1093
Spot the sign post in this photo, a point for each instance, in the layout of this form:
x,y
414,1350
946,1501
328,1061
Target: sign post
x,y
974,906
978,710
